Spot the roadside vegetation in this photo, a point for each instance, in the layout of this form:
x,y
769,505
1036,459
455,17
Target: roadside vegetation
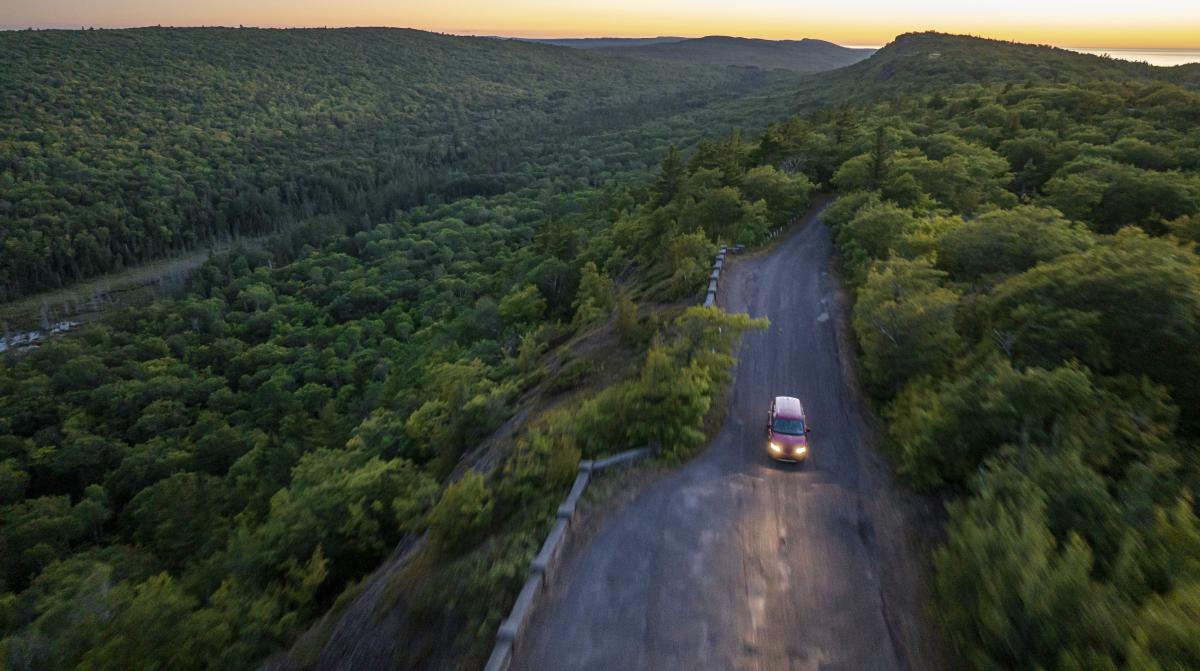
x,y
1028,309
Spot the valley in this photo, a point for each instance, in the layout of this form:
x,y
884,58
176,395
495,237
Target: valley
x,y
387,288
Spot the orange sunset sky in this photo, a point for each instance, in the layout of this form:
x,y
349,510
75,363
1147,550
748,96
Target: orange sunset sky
x,y
1070,23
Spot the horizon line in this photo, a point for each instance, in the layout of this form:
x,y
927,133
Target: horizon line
x,y
498,35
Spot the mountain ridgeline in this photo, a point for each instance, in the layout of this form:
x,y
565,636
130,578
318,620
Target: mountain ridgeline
x,y
600,42
805,55
922,62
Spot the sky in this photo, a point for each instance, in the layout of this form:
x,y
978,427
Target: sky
x,y
1067,23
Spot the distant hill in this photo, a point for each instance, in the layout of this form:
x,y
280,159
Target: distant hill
x,y
797,55
916,62
602,42
1186,75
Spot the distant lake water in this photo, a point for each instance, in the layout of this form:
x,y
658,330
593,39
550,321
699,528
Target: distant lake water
x,y
1163,57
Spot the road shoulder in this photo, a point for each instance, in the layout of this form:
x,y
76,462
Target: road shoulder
x,y
905,526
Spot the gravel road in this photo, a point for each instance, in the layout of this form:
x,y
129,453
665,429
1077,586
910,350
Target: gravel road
x,y
736,562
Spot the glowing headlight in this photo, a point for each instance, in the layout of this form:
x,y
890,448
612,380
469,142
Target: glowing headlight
x,y
801,450
776,448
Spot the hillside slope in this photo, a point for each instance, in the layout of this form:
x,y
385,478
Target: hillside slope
x,y
601,42
1186,75
192,483
805,55
997,216
920,62
121,146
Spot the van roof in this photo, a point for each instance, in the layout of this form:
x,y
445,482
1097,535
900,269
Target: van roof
x,y
788,406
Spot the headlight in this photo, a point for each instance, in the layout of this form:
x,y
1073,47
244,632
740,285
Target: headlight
x,y
801,450
776,448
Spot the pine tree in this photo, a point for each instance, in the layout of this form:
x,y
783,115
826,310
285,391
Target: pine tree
x,y
670,176
879,157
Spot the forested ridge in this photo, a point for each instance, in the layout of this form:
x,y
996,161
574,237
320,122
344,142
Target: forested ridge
x,y
1024,258
929,61
121,146
806,55
421,358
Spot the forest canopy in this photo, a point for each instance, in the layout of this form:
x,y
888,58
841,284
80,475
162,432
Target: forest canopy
x,y
484,266
1028,311
121,146
244,455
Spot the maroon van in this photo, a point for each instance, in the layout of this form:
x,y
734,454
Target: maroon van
x,y
787,430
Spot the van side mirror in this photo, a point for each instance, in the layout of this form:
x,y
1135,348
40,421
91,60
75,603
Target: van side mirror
x,y
807,430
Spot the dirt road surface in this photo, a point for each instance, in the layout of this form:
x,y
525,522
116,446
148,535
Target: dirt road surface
x,y
736,562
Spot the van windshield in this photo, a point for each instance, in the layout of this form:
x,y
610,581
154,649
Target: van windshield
x,y
791,427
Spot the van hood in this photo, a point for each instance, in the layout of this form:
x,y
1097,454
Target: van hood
x,y
788,439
